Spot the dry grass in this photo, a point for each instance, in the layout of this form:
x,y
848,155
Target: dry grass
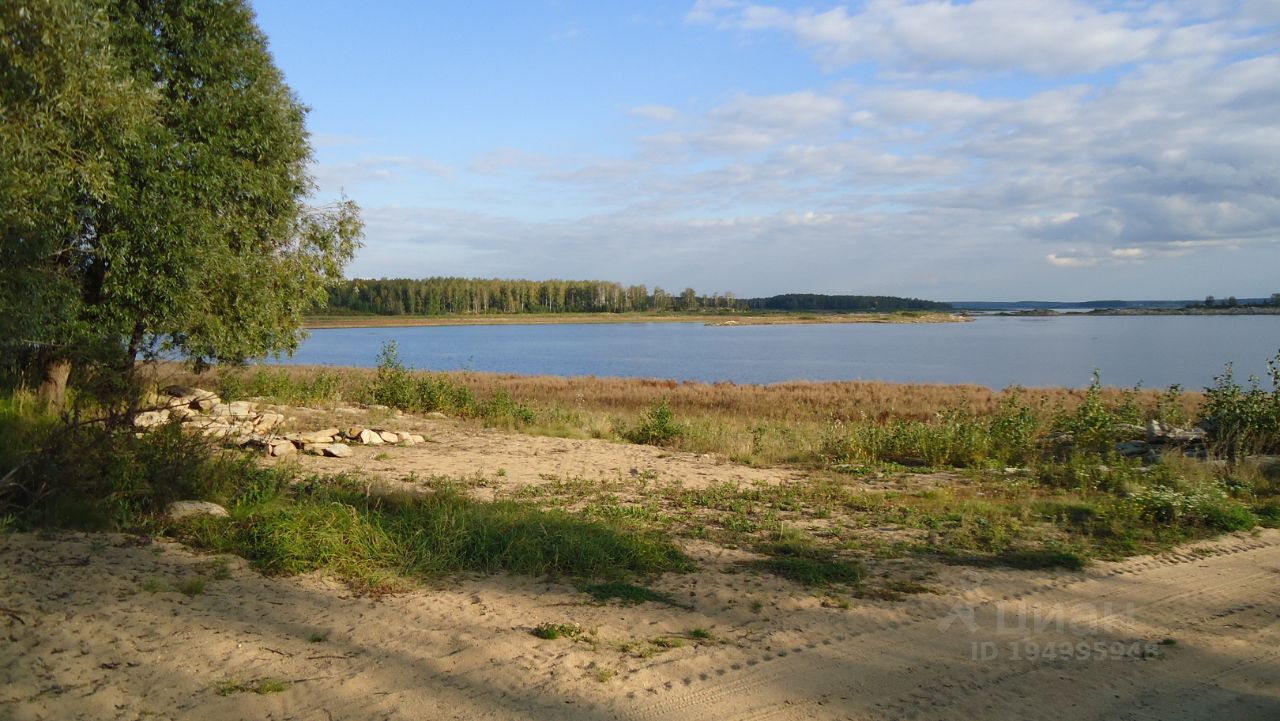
x,y
789,402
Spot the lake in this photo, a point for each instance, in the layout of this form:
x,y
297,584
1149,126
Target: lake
x,y
1156,351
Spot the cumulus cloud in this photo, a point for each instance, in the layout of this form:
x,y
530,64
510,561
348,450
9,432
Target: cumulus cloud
x,y
1051,37
1146,134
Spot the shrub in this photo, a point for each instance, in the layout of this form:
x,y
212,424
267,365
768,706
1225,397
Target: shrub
x,y
1243,420
657,427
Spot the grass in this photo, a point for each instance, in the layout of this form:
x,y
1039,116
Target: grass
x,y
260,686
553,631
191,587
1060,504
381,542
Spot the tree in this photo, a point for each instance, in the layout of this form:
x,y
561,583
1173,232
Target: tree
x,y
1209,301
68,114
201,241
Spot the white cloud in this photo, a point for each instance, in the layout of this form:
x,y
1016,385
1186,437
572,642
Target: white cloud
x,y
1050,37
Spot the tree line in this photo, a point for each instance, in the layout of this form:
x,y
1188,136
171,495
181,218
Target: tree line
x,y
443,296
440,296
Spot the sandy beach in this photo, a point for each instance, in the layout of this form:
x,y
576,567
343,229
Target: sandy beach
x,y
96,628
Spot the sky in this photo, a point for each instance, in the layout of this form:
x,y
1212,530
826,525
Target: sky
x,y
983,150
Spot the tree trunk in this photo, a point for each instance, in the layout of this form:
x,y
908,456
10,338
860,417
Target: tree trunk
x,y
53,382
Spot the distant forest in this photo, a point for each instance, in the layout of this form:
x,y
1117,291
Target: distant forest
x,y
442,296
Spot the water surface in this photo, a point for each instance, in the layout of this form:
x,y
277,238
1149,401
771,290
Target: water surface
x,y
1156,351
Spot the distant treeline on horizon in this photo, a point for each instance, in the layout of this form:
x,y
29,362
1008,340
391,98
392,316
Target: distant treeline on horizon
x,y
443,296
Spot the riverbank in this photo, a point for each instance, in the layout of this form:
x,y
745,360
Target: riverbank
x,y
712,319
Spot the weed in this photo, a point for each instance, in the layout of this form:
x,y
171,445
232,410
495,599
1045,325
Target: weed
x,y
603,674
552,631
261,686
153,585
191,586
317,637
699,634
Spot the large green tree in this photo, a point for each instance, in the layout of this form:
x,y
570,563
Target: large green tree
x,y
189,230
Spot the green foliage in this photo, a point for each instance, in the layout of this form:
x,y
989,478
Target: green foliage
x,y
311,390
372,540
91,476
396,386
657,427
808,564
1093,426
1243,420
154,177
551,631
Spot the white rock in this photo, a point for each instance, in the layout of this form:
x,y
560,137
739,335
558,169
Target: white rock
x,y
389,436
325,436
337,450
417,438
184,509
370,438
281,448
436,416
148,419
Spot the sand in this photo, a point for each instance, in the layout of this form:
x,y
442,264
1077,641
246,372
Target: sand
x,y
93,629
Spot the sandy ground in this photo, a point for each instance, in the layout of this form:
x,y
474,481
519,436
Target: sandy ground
x,y
91,627
510,460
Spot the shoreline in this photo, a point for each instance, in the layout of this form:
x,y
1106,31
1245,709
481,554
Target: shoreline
x,y
324,322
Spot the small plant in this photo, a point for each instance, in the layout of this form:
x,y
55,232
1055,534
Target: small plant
x,y
382,456
657,427
270,685
317,637
153,585
552,631
699,634
603,674
191,586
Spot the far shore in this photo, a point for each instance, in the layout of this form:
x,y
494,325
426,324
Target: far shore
x,y
400,321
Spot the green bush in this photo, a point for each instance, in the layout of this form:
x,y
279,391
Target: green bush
x,y
1241,420
657,427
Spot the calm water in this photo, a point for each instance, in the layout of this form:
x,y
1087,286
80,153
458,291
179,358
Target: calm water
x,y
996,352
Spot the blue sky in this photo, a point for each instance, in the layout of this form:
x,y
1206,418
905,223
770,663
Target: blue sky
x,y
993,149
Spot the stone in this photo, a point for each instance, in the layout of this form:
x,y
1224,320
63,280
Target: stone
x,y
281,447
417,438
150,419
1130,449
318,437
370,438
337,450
240,409
186,509
389,436
182,413
354,432
267,420
206,404
407,439
436,416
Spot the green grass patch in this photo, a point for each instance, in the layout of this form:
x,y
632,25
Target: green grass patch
x,y
553,631
377,541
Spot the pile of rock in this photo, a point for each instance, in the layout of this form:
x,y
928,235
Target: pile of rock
x,y
1158,438
333,442
243,424
204,412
